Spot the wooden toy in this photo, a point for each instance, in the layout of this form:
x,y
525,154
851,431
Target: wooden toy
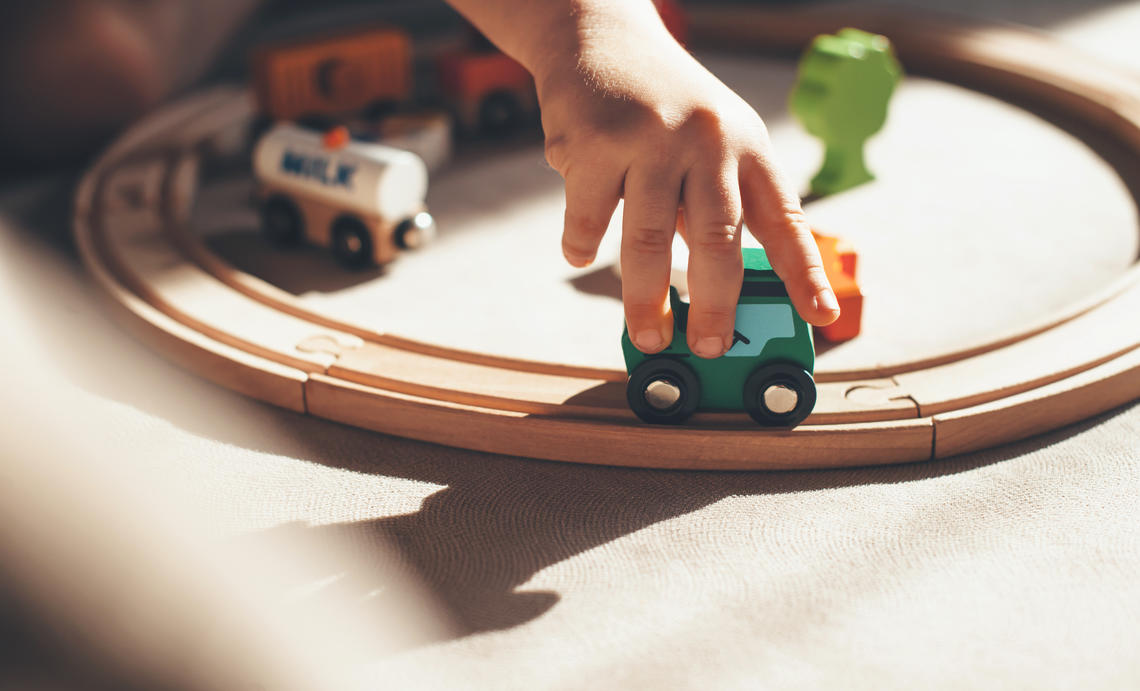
x,y
333,75
243,333
766,372
426,134
839,260
491,93
845,82
365,201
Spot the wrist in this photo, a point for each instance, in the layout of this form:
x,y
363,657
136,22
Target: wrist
x,y
589,33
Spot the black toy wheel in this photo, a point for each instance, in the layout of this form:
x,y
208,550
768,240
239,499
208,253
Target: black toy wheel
x,y
281,221
779,395
663,391
499,113
258,125
380,109
415,232
351,243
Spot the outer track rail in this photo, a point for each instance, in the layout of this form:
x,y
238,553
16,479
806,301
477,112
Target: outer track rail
x,y
132,226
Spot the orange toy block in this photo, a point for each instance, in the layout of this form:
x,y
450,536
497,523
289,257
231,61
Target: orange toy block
x,y
839,260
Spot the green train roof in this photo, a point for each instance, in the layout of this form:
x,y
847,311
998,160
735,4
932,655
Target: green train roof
x,y
756,264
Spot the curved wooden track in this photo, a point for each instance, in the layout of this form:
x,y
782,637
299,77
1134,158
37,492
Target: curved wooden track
x,y
131,225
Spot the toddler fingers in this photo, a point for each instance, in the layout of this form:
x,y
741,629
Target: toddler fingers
x,y
651,200
774,215
590,203
713,219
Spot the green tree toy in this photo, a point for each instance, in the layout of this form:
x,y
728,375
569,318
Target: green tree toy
x,y
845,83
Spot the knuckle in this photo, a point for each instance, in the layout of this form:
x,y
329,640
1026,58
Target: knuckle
x,y
580,222
711,317
706,123
653,241
656,199
555,151
794,215
783,211
813,275
717,240
658,121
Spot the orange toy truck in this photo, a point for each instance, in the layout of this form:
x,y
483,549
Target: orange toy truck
x,y
334,75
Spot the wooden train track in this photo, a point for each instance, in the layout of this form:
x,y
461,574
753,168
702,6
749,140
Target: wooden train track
x,y
132,213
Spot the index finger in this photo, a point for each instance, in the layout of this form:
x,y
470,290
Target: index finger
x,y
774,215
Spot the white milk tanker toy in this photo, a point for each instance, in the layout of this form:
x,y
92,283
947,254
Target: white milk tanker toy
x,y
365,201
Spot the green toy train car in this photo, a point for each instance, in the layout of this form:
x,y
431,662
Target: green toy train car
x,y
767,372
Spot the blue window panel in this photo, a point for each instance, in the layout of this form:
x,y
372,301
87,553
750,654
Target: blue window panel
x,y
758,324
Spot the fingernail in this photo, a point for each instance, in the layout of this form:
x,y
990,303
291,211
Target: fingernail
x,y
648,340
825,301
709,347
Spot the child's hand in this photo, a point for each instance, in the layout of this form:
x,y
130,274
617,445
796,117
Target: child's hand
x,y
631,114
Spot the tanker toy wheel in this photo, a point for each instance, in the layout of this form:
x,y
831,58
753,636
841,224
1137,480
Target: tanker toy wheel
x,y
258,126
316,121
499,114
351,243
281,222
415,232
779,395
663,391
